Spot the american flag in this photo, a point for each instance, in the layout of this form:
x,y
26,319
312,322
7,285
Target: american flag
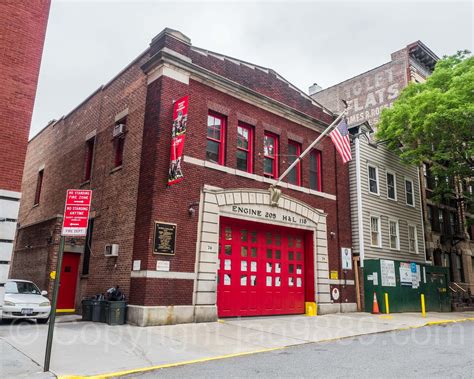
x,y
340,138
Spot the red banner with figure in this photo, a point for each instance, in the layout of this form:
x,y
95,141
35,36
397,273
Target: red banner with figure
x,y
180,120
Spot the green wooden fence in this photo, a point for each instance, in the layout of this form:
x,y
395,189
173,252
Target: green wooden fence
x,y
404,282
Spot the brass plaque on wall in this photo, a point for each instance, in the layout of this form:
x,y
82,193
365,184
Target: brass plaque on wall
x,y
164,240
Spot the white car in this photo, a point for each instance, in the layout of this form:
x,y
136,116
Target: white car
x,y
24,300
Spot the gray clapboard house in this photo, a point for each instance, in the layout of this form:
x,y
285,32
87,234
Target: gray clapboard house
x,y
386,207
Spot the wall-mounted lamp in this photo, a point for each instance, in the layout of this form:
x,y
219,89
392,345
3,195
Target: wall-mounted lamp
x,y
191,208
332,235
275,194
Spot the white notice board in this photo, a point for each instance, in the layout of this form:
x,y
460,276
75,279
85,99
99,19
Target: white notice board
x,y
387,270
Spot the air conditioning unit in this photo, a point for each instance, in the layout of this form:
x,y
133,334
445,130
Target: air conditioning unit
x,y
111,250
118,130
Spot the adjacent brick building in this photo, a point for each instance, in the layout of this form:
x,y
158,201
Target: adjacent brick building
x,y
22,31
235,254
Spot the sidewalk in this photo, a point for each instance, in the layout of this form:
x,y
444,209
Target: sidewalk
x,y
87,349
14,364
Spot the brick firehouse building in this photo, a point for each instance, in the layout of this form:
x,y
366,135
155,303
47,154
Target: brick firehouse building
x,y
211,245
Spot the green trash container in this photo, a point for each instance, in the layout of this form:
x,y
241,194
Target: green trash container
x,y
98,310
104,308
87,310
116,312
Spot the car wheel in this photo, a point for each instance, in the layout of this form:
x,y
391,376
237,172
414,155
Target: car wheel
x,y
42,320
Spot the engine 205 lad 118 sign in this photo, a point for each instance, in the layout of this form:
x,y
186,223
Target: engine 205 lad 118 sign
x,y
76,213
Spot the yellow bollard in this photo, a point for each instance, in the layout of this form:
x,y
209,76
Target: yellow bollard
x,y
387,308
310,309
423,308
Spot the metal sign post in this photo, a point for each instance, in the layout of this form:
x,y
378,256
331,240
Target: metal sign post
x,y
75,222
52,317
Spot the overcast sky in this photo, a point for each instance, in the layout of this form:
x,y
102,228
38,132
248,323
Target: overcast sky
x,y
89,42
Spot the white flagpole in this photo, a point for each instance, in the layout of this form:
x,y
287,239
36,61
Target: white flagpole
x,y
309,148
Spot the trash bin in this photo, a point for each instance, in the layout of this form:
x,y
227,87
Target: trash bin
x,y
104,307
87,310
98,310
116,312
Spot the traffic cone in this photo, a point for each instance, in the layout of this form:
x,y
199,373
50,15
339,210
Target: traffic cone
x,y
375,306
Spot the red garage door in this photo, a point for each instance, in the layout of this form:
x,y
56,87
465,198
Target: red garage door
x,y
261,269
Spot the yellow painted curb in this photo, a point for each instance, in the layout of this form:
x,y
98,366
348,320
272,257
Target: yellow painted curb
x,y
440,322
65,310
167,365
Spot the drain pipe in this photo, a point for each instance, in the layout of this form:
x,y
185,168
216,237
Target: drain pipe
x,y
360,222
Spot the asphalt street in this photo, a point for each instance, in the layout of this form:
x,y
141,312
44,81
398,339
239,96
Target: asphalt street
x,y
443,351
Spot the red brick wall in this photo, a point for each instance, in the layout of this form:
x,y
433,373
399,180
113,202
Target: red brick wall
x,y
265,83
34,249
161,291
23,28
61,148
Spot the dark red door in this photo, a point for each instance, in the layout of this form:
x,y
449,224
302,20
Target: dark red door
x,y
67,286
261,269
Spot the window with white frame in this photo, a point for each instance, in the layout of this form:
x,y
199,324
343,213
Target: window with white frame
x,y
409,196
373,179
391,186
394,236
375,231
412,239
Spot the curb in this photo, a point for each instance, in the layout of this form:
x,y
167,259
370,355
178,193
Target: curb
x,y
440,322
219,357
168,365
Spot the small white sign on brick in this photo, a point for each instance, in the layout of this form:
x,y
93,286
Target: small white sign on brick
x,y
162,265
137,264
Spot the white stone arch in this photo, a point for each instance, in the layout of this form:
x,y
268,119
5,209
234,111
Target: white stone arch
x,y
217,202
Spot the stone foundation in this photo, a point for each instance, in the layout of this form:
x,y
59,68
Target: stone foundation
x,y
324,309
169,315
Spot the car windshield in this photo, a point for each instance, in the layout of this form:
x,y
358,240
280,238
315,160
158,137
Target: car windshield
x,y
21,288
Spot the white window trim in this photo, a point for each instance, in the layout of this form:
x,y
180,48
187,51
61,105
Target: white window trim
x,y
376,178
412,193
394,184
390,236
379,227
416,238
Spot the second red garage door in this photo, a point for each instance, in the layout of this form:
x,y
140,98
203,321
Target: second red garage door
x,y
261,269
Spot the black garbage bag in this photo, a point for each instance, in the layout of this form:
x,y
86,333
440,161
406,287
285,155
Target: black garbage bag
x,y
115,294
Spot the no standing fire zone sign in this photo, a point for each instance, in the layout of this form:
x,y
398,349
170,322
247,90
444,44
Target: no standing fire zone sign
x,y
76,213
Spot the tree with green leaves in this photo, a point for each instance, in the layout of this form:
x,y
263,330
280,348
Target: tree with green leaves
x,y
434,122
